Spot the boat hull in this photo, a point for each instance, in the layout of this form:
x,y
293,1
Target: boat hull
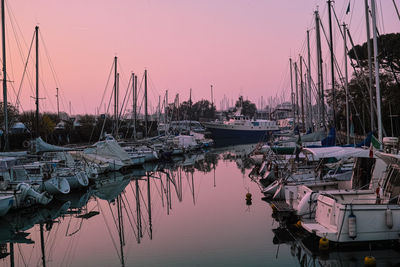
x,y
225,136
6,203
370,223
78,180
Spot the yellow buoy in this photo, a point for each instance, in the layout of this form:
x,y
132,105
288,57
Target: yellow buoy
x,y
369,261
323,244
248,196
298,224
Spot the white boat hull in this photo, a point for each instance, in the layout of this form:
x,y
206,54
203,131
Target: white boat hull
x,y
370,221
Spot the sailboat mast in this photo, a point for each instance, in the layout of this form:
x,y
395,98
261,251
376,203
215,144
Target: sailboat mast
x,y
145,103
320,71
58,105
377,85
297,93
291,90
190,110
302,93
212,97
149,207
133,104
135,114
117,107
120,228
5,103
37,80
166,107
371,93
12,261
346,85
115,94
332,62
42,246
310,112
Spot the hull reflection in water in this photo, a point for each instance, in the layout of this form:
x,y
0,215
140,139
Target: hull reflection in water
x,y
163,215
305,250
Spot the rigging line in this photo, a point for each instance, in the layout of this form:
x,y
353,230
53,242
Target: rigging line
x,y
108,228
397,10
129,216
49,61
25,67
123,107
51,65
105,118
47,96
141,213
75,248
21,254
53,241
112,214
13,21
107,83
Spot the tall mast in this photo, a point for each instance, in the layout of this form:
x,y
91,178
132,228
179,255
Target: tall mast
x,y
37,80
58,105
115,95
145,103
302,92
310,112
159,113
42,246
297,93
371,93
346,86
212,97
134,104
166,107
320,70
117,106
291,90
5,103
332,62
377,85
149,207
12,260
190,110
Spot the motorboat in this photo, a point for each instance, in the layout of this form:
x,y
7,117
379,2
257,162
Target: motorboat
x,y
361,214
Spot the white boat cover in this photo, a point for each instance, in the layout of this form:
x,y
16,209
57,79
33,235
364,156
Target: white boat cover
x,y
40,146
109,149
185,141
336,152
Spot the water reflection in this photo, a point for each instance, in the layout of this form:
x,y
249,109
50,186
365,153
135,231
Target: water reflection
x,y
120,204
190,211
305,251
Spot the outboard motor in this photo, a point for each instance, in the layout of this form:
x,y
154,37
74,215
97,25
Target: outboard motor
x,y
28,191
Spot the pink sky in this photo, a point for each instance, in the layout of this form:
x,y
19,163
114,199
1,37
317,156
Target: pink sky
x,y
239,46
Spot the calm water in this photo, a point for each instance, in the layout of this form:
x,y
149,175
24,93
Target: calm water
x,y
192,213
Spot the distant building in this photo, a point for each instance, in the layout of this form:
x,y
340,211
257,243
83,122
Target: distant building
x,y
263,114
282,111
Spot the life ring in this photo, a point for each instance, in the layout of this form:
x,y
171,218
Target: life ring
x,y
26,143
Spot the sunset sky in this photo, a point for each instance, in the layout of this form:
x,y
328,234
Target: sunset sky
x,y
241,47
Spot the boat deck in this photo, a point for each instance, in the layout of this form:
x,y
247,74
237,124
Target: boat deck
x,y
281,206
318,229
